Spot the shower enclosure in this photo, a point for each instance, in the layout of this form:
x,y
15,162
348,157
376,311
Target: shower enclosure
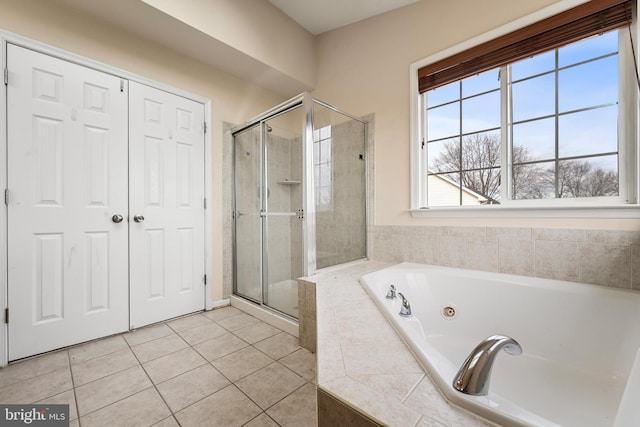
x,y
299,198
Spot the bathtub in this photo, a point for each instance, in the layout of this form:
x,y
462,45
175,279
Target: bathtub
x,y
580,364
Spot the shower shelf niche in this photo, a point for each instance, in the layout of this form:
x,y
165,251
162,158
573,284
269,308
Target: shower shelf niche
x,y
288,182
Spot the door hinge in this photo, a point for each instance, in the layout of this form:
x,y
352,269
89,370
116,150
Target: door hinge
x,y
6,315
205,127
6,76
121,85
205,280
6,196
422,145
205,203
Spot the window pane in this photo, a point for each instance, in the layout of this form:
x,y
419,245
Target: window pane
x,y
533,181
483,82
444,190
325,132
587,85
481,187
325,175
589,132
534,140
444,155
481,112
533,66
534,98
481,150
325,150
592,47
592,177
443,121
443,94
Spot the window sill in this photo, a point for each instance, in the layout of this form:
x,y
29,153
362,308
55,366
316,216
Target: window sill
x,y
493,211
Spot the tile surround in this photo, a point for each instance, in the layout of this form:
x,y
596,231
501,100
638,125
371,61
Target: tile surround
x,y
375,380
599,257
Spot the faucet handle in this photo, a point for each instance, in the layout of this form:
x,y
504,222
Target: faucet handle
x,y
405,308
391,294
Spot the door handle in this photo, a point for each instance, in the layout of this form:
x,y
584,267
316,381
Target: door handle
x,y
117,218
138,218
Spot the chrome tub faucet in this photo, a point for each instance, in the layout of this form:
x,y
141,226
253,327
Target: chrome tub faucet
x,y
475,373
391,294
405,308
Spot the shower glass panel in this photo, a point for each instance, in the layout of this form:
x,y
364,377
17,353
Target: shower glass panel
x,y
339,186
283,210
248,235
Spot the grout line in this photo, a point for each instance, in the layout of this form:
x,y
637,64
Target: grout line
x,y
152,383
73,389
267,415
114,402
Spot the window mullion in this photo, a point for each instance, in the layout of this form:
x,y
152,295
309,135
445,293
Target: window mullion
x,y
506,163
627,117
557,124
423,179
460,143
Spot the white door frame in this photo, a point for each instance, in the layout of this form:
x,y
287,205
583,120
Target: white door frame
x,y
8,37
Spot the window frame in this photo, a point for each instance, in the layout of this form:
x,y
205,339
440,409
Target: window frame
x,y
623,206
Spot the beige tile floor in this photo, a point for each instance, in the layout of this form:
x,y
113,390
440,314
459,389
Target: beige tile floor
x,y
218,368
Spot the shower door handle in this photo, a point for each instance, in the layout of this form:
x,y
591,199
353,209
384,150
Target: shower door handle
x,y
265,214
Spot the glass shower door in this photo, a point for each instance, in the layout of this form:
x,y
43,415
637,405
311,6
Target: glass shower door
x,y
283,214
247,214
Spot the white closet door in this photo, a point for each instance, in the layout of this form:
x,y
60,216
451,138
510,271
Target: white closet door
x,y
166,149
67,177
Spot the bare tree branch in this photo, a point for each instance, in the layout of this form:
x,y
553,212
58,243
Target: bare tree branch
x,y
478,158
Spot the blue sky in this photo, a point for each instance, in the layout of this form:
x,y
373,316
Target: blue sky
x,y
583,86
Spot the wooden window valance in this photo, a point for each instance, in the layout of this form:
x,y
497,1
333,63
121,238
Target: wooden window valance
x,y
591,18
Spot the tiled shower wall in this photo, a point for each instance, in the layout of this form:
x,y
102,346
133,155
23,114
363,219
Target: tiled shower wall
x,y
340,230
601,257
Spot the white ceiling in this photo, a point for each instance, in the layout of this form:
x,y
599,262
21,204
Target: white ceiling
x,y
318,16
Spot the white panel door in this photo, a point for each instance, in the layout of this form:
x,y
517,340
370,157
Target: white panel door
x,y
166,161
67,177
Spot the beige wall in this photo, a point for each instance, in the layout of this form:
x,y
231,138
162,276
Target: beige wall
x,y
232,99
255,27
364,68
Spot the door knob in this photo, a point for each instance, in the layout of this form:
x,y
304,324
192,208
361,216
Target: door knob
x,y
117,218
138,218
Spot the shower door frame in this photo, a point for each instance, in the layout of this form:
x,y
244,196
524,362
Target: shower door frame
x,y
305,102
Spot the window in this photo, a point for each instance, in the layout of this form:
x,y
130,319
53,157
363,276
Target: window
x,y
548,129
463,141
322,168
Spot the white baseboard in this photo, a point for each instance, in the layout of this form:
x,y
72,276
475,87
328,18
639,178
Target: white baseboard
x,y
219,303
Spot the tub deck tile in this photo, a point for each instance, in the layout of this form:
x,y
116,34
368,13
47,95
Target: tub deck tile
x,y
364,364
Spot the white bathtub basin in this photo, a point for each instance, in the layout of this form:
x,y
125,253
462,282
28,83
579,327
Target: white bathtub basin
x,y
579,342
